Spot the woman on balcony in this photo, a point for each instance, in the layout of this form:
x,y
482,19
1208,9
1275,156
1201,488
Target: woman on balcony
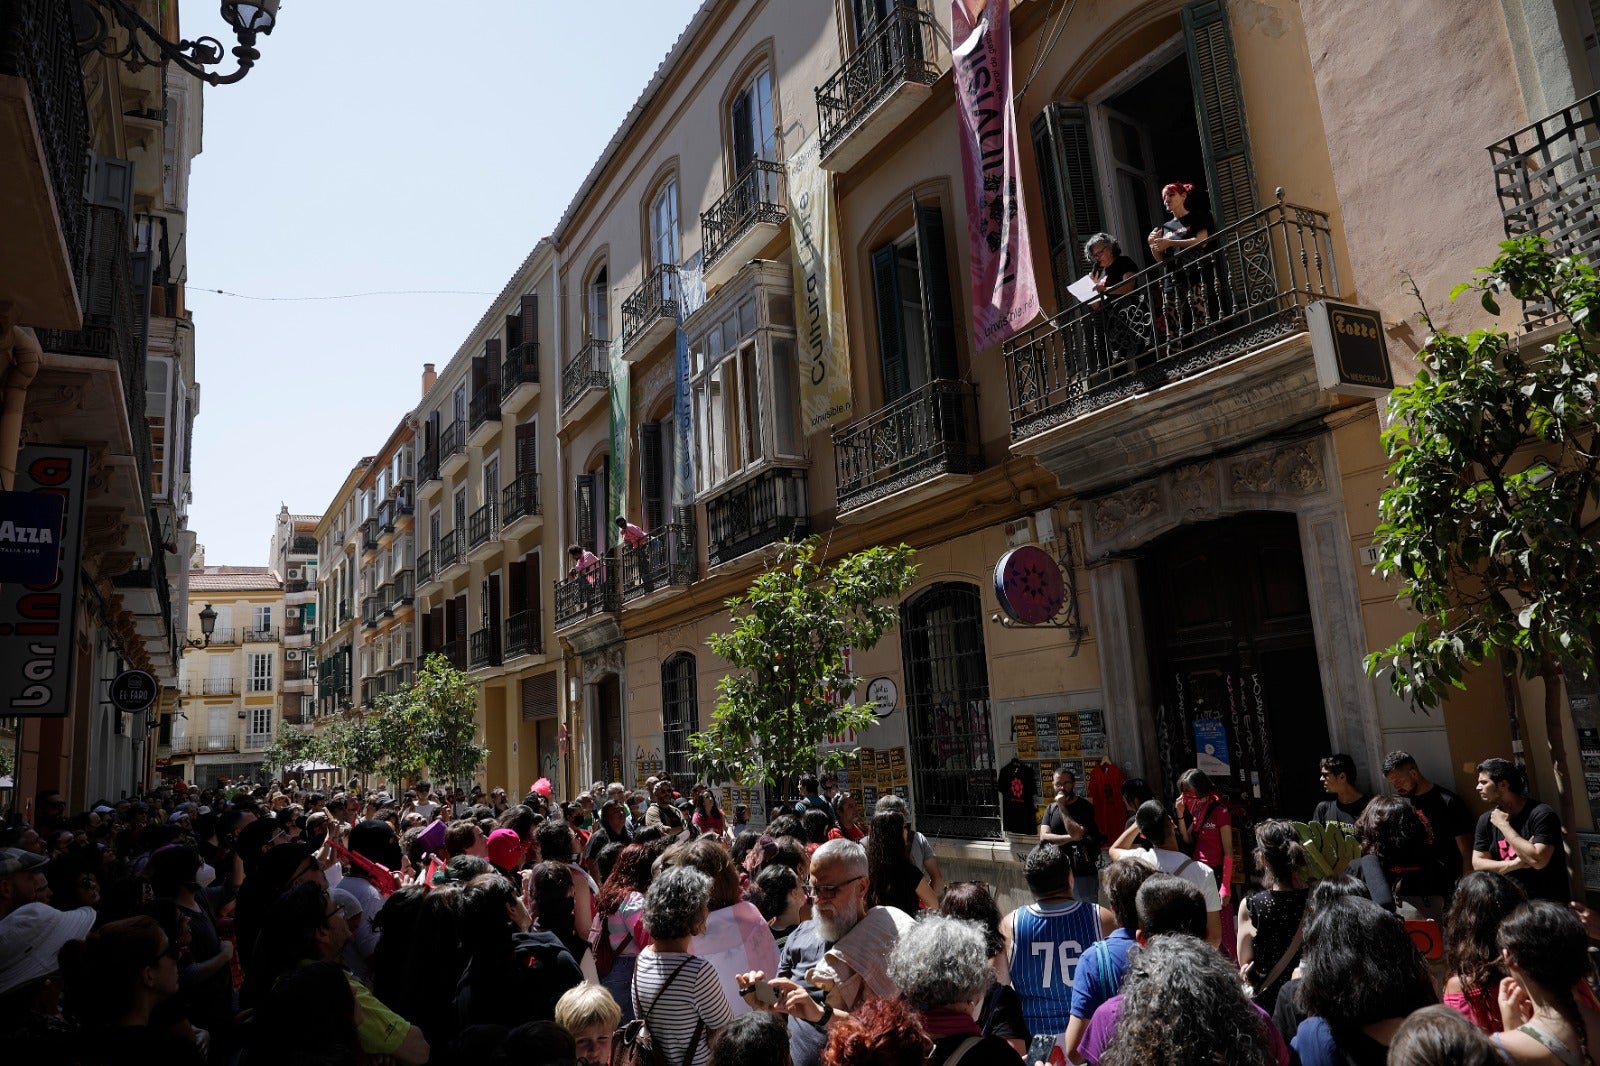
x,y
1181,242
1112,339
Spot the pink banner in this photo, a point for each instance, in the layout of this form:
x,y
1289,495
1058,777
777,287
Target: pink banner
x,y
1004,297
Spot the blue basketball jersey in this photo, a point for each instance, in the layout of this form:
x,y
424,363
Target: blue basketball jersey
x,y
1047,940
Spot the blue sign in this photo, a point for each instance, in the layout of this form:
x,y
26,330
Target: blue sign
x,y
1211,746
30,536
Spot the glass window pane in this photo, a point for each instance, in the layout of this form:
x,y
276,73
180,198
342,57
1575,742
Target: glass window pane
x,y
751,435
785,409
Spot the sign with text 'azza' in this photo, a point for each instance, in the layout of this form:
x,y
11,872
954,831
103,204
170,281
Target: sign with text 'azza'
x,y
30,536
1349,348
36,640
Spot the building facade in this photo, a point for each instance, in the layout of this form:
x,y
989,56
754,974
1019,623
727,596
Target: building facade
x,y
386,640
338,590
97,349
293,556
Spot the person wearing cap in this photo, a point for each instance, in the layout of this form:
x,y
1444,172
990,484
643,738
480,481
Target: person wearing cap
x,y
22,879
31,938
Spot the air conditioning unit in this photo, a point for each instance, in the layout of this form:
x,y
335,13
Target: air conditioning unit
x,y
297,573
293,655
292,612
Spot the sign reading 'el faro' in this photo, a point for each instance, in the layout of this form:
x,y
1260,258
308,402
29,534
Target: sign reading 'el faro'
x,y
36,645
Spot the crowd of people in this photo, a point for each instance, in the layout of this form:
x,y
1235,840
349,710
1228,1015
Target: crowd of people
x,y
276,923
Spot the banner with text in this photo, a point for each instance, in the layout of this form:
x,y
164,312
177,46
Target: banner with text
x,y
818,291
1004,297
618,489
691,296
36,638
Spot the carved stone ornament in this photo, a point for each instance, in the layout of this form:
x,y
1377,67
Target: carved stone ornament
x,y
597,664
1115,513
1296,469
1253,475
1194,490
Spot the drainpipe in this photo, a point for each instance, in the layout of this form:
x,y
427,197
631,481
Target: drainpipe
x,y
20,356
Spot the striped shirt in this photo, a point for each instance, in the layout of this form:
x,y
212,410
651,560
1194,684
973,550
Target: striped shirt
x,y
1047,942
671,1016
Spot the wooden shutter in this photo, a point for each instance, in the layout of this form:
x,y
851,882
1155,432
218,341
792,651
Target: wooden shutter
x,y
451,622
430,435
143,264
491,365
530,316
891,336
1064,153
540,697
527,457
109,183
516,588
435,629
744,148
513,331
650,479
1219,107
480,374
938,312
583,509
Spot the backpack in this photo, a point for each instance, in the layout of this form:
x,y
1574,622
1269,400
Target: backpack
x,y
631,1044
605,956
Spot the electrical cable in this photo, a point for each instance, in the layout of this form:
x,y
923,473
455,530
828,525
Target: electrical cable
x,y
343,296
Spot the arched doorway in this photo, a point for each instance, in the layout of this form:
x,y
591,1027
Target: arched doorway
x,y
1233,660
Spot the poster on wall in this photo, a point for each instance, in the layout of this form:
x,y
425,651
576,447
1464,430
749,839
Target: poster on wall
x,y
1589,857
1211,747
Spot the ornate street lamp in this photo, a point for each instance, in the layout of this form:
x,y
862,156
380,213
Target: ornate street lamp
x,y
95,20
208,625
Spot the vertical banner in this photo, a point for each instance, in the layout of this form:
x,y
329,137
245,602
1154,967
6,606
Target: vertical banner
x,y
1004,297
691,296
617,491
36,645
818,291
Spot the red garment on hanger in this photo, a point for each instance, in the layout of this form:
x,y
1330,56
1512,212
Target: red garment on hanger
x,y
1105,791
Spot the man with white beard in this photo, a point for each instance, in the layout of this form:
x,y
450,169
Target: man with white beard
x,y
838,888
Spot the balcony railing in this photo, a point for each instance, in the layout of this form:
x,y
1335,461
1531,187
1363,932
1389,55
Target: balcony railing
x,y
369,612
405,499
1547,175
925,433
369,535
1249,287
484,407
447,552
37,45
520,498
589,369
294,627
483,648
401,590
383,596
452,439
482,524
297,585
899,50
206,742
212,686
424,567
666,557
112,321
303,545
767,508
521,366
295,670
590,591
757,195
455,651
344,612
428,466
261,636
219,635
656,298
523,636
386,516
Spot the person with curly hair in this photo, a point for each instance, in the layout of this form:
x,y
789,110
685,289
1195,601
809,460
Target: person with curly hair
x,y
1545,1005
1182,1006
942,968
1361,977
756,1039
884,1032
1398,862
1271,921
893,880
677,993
1482,901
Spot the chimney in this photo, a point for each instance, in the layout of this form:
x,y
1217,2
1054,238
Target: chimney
x,y
428,378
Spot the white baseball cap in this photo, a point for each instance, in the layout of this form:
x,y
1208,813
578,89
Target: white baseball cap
x,y
32,936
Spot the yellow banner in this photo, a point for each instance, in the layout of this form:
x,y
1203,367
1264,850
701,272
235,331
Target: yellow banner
x,y
818,292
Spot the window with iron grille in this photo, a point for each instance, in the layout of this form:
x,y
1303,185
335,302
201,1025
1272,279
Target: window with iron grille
x,y
947,704
680,716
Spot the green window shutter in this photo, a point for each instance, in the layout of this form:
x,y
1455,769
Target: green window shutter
x,y
891,335
938,310
1219,107
583,509
650,480
1064,152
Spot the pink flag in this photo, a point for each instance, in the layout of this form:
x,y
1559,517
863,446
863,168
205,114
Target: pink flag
x,y
1004,297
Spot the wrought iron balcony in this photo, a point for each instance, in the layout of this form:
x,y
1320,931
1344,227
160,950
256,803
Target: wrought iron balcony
x,y
297,585
294,627
520,367
898,51
520,498
523,636
384,598
303,544
1549,186
344,612
653,301
446,553
386,516
455,651
589,369
666,557
428,466
1249,288
758,195
452,440
369,535
920,436
212,686
484,407
401,590
483,648
424,567
591,591
221,635
754,513
265,635
404,498
204,743
369,612
482,524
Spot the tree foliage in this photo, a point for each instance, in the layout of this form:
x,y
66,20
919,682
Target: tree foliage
x,y
791,683
1494,479
293,746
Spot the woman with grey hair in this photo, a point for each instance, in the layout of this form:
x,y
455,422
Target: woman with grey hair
x,y
942,968
676,994
1109,332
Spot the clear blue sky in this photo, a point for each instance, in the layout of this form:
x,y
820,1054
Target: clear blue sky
x,y
404,145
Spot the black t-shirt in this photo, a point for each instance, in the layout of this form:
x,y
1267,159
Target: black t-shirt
x,y
1018,800
1538,823
1120,270
1334,810
1190,225
1448,817
1085,851
599,839
1001,1014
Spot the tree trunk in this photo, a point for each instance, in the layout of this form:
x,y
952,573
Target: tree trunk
x,y
1556,744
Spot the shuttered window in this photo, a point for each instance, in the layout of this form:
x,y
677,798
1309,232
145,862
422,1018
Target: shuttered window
x,y
651,482
680,716
583,510
1219,106
539,697
1070,190
916,316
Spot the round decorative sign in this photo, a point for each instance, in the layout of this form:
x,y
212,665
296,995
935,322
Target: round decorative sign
x,y
1028,582
884,695
134,691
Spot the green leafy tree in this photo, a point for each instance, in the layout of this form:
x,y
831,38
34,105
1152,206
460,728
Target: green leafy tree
x,y
351,743
292,747
1489,520
791,685
437,715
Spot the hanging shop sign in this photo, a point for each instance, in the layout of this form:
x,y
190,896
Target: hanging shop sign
x,y
133,691
1349,349
30,536
36,638
1029,585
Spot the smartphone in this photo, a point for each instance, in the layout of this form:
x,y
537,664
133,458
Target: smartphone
x,y
764,994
